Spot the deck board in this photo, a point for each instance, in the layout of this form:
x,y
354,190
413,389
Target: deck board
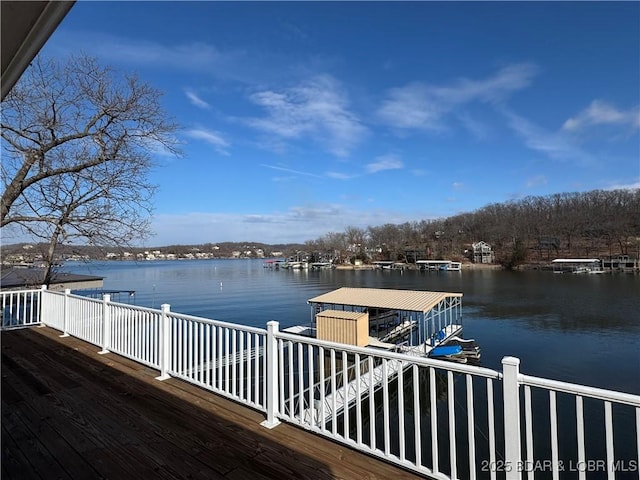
x,y
68,412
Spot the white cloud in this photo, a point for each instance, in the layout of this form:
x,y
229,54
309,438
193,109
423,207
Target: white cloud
x,y
601,113
536,181
341,176
423,106
385,162
210,136
196,100
556,145
634,185
317,109
290,170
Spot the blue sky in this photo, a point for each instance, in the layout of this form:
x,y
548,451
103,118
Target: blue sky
x,y
302,118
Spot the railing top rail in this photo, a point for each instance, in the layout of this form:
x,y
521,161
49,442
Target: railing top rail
x,y
219,323
26,290
421,361
136,307
576,389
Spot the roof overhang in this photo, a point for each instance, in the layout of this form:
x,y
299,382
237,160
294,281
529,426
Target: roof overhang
x,y
405,300
26,26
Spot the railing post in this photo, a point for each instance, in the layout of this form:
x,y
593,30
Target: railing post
x,y
106,323
271,375
511,403
164,343
65,313
43,288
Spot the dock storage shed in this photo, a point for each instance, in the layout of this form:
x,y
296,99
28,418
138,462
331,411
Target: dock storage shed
x,y
351,328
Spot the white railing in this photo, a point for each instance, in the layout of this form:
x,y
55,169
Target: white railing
x,y
20,308
377,401
224,358
133,332
579,412
440,419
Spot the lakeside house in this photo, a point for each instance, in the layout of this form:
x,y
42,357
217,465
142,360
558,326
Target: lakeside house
x,y
482,253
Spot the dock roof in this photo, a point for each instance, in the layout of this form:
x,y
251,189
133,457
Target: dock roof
x,y
575,260
409,300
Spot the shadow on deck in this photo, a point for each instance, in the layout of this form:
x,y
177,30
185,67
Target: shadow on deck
x,y
68,412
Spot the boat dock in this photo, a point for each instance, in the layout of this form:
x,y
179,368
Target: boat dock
x,y
408,321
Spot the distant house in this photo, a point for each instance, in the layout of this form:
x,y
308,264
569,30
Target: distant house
x,y
482,253
413,253
23,278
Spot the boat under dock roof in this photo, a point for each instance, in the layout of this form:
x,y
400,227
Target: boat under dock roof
x,y
406,300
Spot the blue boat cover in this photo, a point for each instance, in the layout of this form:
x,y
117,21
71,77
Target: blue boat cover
x,y
445,351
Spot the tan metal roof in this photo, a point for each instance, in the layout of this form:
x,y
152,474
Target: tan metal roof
x,y
410,300
342,314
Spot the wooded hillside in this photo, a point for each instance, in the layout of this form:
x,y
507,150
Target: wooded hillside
x,y
598,223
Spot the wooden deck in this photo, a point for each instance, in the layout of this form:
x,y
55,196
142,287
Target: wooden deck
x,y
68,412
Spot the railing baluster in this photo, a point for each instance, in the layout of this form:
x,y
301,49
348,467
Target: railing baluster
x,y
608,423
201,358
250,348
281,369
582,473
300,373
434,419
401,434
452,424
227,359
345,400
291,395
311,370
385,406
492,428
372,405
181,346
471,427
208,355
256,368
233,358
553,418
241,354
214,356
323,407
265,369
528,421
358,367
417,433
334,393
220,362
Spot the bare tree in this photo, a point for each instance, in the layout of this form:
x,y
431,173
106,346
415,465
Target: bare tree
x,y
77,139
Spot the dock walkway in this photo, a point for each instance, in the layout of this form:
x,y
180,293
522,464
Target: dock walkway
x,y
70,413
334,403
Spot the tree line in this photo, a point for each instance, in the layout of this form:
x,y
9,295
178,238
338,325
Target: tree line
x,y
599,223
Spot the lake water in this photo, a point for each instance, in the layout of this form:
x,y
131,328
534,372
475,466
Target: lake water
x,y
576,328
